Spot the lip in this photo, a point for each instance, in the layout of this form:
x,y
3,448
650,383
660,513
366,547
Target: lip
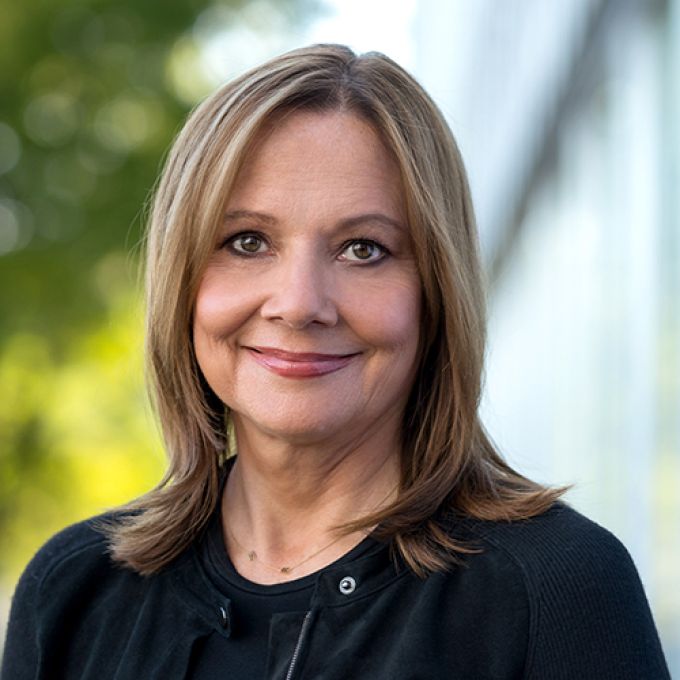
x,y
299,364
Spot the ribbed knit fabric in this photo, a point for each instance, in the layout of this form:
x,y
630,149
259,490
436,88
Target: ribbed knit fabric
x,y
588,605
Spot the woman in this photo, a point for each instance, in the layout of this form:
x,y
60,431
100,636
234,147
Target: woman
x,y
332,508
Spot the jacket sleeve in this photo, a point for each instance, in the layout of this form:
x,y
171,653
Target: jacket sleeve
x,y
21,653
591,615
24,655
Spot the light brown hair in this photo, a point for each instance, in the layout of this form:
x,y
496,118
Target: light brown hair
x,y
449,464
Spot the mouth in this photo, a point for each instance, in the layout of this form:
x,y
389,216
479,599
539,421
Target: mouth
x,y
299,364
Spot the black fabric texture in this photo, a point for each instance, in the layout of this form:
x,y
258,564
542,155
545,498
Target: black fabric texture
x,y
555,597
252,608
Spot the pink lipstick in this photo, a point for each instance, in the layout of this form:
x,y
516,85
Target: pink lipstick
x,y
299,364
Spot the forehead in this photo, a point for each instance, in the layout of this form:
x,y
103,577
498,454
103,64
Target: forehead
x,y
312,156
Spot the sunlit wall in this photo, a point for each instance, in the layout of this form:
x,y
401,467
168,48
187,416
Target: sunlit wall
x,y
567,117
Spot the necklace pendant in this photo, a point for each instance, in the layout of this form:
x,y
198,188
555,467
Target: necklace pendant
x,y
252,555
285,570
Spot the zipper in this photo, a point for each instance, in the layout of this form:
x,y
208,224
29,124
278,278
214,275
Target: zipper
x,y
298,645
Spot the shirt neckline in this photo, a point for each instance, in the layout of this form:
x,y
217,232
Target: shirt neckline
x,y
220,569
213,555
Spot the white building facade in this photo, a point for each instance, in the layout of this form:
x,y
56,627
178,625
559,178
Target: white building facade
x,y
568,117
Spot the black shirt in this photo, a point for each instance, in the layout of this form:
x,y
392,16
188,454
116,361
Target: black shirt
x,y
244,653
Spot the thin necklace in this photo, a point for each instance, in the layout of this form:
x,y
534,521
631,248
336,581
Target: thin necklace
x,y
253,557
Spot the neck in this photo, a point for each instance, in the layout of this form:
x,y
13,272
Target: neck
x,y
282,502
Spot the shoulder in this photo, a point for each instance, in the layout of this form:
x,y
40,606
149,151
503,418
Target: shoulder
x,y
83,543
568,562
558,543
70,560
588,612
69,571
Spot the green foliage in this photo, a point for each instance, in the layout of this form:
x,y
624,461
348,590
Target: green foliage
x,y
76,434
92,95
85,94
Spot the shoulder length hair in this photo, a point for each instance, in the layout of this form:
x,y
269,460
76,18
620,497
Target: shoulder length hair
x,y
448,465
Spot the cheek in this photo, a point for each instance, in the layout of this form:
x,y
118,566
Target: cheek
x,y
218,310
218,313
391,316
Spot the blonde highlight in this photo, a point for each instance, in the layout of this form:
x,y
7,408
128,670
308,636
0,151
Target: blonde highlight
x,y
449,465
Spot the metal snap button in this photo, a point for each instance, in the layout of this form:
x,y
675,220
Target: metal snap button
x,y
347,585
224,618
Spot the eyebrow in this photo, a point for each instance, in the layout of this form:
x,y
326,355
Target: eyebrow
x,y
371,217
344,223
252,214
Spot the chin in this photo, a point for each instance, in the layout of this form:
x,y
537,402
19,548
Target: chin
x,y
302,428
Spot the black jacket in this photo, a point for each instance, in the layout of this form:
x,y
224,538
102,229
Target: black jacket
x,y
555,597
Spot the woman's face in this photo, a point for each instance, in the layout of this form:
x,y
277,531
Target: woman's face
x,y
306,322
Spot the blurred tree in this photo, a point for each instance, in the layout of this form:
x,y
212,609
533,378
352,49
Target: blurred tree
x,y
90,101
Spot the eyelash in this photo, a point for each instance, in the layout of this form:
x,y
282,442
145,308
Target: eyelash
x,y
229,244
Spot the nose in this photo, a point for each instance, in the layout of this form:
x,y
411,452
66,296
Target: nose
x,y
301,292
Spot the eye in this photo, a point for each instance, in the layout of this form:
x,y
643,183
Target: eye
x,y
246,244
363,250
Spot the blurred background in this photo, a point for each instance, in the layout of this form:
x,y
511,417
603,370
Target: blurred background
x,y
568,117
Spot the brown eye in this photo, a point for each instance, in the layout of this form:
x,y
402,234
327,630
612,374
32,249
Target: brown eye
x,y
364,251
247,243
